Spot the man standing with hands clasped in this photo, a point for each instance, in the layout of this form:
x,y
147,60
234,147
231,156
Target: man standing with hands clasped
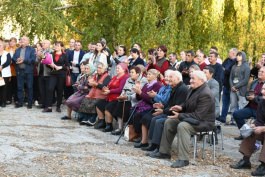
x,y
24,58
195,115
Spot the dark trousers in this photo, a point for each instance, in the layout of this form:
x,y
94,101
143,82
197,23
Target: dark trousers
x,y
44,88
156,129
242,114
58,82
12,89
23,78
247,147
3,91
225,103
36,95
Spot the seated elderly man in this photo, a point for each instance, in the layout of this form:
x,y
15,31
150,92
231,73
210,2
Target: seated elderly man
x,y
253,97
155,122
195,115
247,147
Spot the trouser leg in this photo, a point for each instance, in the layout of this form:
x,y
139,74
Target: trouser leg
x,y
185,130
169,133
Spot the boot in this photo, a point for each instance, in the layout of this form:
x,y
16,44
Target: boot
x,y
100,124
108,128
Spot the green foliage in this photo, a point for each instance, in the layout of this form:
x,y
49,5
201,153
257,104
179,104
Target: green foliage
x,y
179,24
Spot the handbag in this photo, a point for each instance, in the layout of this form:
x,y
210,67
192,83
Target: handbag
x,y
246,131
129,133
2,81
68,79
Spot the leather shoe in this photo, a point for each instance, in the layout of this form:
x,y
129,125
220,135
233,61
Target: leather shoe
x,y
108,128
179,163
151,147
58,109
260,171
116,132
47,110
140,145
238,138
154,151
242,164
65,118
160,155
18,105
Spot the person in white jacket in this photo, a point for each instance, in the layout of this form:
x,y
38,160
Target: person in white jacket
x,y
5,73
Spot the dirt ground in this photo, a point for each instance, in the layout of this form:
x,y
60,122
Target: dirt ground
x,y
40,144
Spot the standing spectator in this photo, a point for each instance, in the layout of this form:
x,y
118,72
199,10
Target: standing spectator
x,y
90,53
227,65
44,72
74,58
99,56
60,65
214,87
185,65
135,58
5,73
218,70
238,80
254,71
12,90
118,57
182,58
173,61
71,47
24,58
159,61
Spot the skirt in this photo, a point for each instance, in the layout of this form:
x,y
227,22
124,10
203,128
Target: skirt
x,y
88,105
74,101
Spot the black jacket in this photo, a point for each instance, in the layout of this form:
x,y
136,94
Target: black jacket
x,y
177,97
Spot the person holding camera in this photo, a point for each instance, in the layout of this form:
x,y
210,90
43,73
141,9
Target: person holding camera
x,y
159,61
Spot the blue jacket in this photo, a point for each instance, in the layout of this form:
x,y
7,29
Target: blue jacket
x,y
29,60
71,57
163,95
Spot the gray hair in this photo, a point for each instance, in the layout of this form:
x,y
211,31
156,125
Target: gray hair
x,y
234,50
103,66
177,74
200,74
168,72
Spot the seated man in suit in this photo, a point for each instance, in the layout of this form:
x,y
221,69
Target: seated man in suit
x,y
195,115
247,147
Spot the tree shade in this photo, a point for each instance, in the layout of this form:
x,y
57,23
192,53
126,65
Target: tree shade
x,y
179,24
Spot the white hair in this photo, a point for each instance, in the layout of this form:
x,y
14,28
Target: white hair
x,y
177,74
200,74
168,72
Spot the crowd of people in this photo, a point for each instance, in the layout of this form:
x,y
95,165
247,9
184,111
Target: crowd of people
x,y
166,94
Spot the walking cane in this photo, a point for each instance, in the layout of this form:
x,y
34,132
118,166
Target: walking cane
x,y
125,125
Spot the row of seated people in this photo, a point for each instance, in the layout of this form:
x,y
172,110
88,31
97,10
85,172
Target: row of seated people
x,y
162,106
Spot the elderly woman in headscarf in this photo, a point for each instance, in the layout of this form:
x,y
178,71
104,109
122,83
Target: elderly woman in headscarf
x,y
113,91
87,109
74,101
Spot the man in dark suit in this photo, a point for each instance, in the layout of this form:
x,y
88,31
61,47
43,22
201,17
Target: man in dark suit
x,y
74,58
24,58
195,115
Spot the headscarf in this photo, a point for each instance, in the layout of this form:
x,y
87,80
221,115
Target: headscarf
x,y
124,67
91,68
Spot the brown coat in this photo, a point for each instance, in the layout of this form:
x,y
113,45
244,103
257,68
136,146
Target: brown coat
x,y
200,106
